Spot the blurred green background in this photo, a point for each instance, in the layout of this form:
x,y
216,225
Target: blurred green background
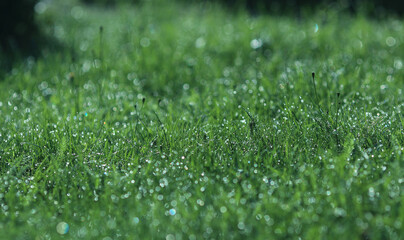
x,y
21,37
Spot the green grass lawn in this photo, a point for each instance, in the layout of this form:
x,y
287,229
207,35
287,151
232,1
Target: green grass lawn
x,y
190,122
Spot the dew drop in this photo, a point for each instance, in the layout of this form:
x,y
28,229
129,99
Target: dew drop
x,y
62,228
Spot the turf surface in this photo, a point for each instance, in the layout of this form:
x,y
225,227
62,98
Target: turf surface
x,y
190,122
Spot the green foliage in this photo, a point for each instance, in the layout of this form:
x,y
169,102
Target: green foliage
x,y
178,122
372,7
379,8
111,2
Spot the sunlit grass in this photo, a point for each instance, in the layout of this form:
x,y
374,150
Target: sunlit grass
x,y
188,122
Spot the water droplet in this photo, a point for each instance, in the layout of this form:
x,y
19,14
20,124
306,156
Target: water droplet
x,y
256,43
144,42
371,192
170,237
241,225
172,212
41,7
398,64
62,228
135,220
390,41
77,12
200,42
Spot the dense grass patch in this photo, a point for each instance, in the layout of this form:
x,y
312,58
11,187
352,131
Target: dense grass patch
x,y
188,123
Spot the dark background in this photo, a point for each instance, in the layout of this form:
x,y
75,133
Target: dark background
x,y
17,25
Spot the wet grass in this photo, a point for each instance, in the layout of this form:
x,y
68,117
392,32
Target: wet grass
x,y
187,123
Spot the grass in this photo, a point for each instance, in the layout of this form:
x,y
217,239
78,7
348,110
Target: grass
x,y
188,122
